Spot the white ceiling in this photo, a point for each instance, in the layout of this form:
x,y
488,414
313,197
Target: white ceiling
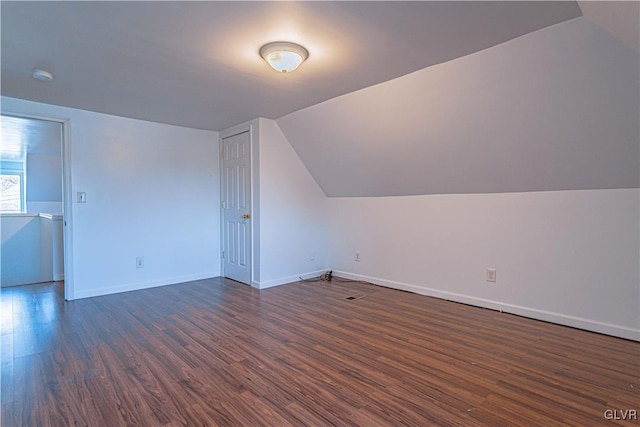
x,y
196,64
22,136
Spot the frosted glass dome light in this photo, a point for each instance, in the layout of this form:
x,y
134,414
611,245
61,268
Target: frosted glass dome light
x,y
284,57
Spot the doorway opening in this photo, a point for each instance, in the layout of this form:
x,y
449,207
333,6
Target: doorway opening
x,y
32,208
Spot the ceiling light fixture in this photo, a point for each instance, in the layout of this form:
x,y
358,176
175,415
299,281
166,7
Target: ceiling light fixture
x,y
42,75
284,57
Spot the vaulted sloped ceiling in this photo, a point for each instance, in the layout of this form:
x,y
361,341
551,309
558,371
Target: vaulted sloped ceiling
x,y
196,64
397,98
620,18
557,109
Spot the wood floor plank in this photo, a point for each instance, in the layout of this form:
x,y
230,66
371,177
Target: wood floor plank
x,y
217,353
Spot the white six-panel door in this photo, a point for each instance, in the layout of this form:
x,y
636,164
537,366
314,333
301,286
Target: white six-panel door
x,y
236,207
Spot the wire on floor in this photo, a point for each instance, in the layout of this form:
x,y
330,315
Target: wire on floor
x,y
325,277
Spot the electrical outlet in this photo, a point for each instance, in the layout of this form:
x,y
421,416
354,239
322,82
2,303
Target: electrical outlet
x,y
491,274
139,262
82,197
357,257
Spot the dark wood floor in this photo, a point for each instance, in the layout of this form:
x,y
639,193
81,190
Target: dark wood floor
x,y
215,352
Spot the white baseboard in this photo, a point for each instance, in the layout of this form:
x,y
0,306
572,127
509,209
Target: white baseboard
x,y
285,280
136,286
533,313
58,277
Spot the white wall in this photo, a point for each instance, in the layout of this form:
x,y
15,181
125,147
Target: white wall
x,y
292,213
523,157
31,250
152,191
570,257
21,250
44,183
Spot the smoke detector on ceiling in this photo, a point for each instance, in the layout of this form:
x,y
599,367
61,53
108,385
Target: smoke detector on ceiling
x,y
42,75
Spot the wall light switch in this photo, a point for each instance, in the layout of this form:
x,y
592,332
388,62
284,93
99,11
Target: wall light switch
x,y
82,197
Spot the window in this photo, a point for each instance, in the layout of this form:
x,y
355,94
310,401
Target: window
x,y
11,192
